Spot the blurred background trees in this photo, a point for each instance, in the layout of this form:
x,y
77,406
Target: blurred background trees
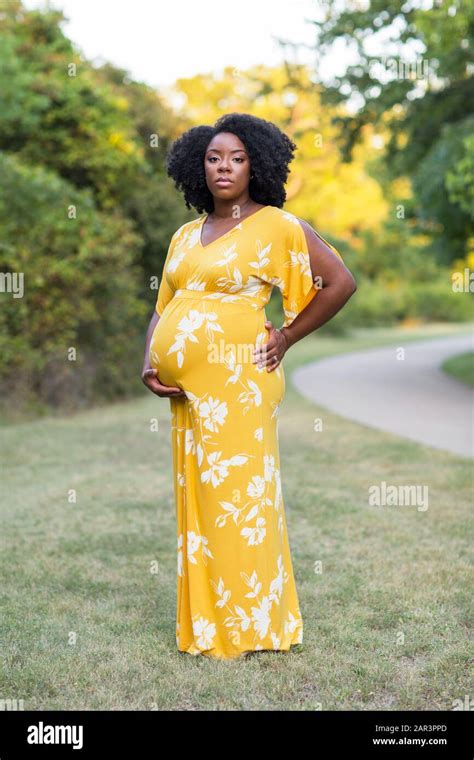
x,y
384,170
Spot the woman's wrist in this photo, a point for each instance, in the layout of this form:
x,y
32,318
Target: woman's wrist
x,y
284,332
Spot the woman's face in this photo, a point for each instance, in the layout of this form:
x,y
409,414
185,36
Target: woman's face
x,y
226,158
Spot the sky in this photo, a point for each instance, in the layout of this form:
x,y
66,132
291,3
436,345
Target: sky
x,y
158,42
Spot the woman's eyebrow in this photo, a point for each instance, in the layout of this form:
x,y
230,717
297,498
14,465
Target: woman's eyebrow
x,y
235,150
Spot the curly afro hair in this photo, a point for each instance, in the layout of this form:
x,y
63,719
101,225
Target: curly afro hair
x,y
270,152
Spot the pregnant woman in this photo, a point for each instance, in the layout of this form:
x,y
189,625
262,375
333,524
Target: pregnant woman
x,y
212,352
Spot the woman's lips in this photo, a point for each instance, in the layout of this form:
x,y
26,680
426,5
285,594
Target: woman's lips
x,y
223,182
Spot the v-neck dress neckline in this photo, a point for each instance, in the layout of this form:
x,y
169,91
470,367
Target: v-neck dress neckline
x,y
236,226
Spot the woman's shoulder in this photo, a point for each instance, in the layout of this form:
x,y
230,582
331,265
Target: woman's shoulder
x,y
286,218
185,227
183,232
286,224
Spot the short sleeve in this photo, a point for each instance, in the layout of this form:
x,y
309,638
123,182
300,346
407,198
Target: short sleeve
x,y
292,269
165,291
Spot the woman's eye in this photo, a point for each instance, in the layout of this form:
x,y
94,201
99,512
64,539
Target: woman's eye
x,y
214,158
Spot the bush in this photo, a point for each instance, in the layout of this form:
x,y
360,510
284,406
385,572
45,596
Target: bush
x,y
81,293
378,303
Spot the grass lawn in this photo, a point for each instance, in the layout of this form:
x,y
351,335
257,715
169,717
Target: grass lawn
x,y
461,367
89,585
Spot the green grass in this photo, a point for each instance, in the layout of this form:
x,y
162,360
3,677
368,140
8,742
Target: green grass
x,y
461,367
88,625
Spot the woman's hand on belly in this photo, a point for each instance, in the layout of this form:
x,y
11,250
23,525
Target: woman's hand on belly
x,y
152,381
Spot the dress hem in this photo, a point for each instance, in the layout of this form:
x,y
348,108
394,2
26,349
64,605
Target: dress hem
x,y
194,652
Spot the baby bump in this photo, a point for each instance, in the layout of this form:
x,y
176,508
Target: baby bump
x,y
198,344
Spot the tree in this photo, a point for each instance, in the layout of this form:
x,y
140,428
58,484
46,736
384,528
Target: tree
x,y
412,76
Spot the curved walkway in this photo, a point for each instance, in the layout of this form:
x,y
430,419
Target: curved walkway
x,y
412,398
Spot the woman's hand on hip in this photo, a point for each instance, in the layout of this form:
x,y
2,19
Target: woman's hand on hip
x,y
270,354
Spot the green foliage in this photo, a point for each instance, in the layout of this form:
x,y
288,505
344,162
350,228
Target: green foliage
x,y
93,126
71,122
380,303
72,135
81,291
460,180
418,90
461,367
444,189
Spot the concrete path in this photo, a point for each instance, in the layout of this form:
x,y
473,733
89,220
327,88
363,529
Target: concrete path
x,y
412,397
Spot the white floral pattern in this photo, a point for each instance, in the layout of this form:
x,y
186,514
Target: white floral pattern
x,y
257,616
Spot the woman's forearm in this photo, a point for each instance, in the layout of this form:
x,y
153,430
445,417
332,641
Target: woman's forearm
x,y
151,327
320,310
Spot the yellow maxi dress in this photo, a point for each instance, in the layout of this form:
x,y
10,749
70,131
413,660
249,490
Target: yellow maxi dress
x,y
236,590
